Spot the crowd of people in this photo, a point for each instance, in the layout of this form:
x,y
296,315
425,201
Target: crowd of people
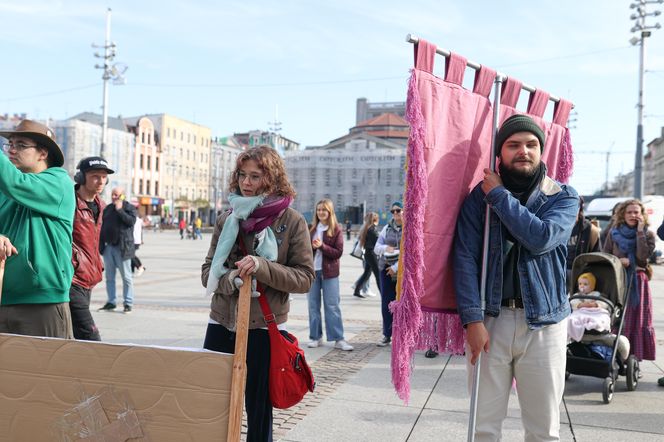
x,y
58,239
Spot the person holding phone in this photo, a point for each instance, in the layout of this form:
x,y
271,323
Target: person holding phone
x,y
116,244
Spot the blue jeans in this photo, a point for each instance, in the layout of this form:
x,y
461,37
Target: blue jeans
x,y
334,328
112,261
388,293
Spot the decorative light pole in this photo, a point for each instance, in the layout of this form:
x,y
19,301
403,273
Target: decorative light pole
x,y
643,32
113,72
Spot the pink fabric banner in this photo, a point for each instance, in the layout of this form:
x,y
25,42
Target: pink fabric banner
x,y
448,148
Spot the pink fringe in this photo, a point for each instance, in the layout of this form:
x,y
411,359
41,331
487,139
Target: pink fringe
x,y
566,161
407,313
442,332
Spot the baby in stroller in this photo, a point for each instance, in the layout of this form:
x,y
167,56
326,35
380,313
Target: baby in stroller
x,y
590,321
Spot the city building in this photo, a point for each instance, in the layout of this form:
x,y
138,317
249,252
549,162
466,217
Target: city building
x,y
184,152
146,176
257,137
363,170
80,137
364,110
653,165
224,155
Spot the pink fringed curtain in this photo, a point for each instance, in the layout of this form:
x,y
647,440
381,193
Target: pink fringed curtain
x,y
449,146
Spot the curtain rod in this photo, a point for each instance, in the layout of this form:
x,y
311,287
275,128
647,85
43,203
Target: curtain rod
x,y
410,38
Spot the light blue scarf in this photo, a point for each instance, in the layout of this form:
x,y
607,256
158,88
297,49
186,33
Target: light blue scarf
x,y
242,207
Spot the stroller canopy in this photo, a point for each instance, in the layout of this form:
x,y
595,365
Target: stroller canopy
x,y
609,272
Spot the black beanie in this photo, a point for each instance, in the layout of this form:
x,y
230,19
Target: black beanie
x,y
518,123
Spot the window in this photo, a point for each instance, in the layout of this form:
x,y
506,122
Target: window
x,y
140,163
156,187
156,164
140,187
168,132
149,138
142,137
149,158
147,187
194,153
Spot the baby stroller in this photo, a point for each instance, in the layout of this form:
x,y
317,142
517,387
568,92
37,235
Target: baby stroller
x,y
581,360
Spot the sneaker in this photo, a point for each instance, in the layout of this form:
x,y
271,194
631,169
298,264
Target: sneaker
x,y
384,342
315,344
369,293
107,307
341,344
127,308
430,354
139,271
359,295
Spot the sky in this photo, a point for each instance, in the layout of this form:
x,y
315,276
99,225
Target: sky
x,y
240,65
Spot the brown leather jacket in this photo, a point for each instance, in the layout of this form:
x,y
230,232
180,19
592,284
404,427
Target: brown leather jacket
x,y
292,272
332,249
85,257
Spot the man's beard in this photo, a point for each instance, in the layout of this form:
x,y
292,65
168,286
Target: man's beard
x,y
519,173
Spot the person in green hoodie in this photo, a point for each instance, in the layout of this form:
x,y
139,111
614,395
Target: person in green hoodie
x,y
36,220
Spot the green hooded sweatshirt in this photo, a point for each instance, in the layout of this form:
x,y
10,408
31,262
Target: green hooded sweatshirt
x,y
37,215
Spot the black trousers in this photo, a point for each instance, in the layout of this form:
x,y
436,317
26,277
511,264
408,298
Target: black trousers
x,y
256,394
370,266
81,319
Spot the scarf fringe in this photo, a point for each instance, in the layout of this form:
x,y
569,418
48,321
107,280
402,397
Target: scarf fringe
x,y
442,332
407,320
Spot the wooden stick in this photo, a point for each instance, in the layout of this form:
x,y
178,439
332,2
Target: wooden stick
x,y
239,363
2,276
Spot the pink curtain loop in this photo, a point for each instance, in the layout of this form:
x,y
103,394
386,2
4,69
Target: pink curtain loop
x,y
537,102
510,92
424,55
484,79
455,68
561,112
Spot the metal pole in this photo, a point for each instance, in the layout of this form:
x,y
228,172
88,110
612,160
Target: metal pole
x,y
485,258
638,163
106,77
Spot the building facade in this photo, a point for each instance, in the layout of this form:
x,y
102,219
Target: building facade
x,y
146,176
80,137
364,170
224,156
653,182
257,137
364,110
184,152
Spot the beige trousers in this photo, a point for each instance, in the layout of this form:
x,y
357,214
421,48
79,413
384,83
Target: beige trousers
x,y
536,359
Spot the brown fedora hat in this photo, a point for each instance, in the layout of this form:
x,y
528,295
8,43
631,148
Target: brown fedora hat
x,y
40,134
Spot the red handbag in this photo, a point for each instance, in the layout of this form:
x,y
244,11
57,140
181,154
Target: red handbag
x,y
290,375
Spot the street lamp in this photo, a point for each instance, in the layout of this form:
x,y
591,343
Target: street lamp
x,y
643,33
113,72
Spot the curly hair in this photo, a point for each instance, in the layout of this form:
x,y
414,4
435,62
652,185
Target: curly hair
x,y
275,178
619,217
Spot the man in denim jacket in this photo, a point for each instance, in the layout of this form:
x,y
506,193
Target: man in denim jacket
x,y
523,333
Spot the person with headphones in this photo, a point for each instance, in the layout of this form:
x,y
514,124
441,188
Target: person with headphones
x,y
90,179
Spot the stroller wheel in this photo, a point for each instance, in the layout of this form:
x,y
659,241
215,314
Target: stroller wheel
x,y
607,390
632,373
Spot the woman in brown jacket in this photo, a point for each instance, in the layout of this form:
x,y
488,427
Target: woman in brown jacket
x,y
327,243
278,256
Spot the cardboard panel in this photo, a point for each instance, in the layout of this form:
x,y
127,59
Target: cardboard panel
x,y
51,385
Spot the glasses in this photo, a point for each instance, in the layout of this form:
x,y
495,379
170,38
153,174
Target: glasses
x,y
254,178
395,211
17,146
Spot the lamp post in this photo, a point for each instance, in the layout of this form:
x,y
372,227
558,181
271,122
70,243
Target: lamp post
x,y
113,72
643,32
